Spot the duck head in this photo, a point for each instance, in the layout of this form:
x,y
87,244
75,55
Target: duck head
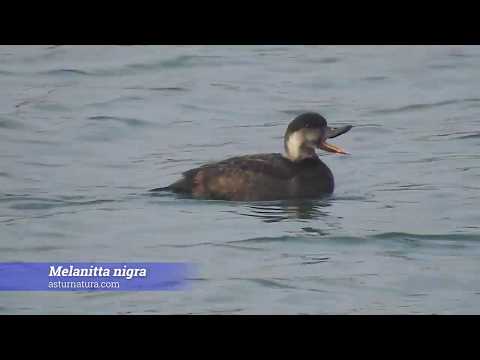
x,y
308,132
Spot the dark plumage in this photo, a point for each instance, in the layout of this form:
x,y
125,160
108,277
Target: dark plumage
x,y
256,177
297,174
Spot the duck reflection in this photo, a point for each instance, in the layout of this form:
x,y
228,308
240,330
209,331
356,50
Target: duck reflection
x,y
271,212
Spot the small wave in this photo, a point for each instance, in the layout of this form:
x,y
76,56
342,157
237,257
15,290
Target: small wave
x,y
275,283
269,124
64,72
169,89
179,122
270,48
365,198
269,283
414,107
38,142
387,236
43,164
265,239
317,103
410,236
293,112
178,62
417,295
181,246
373,128
173,88
238,247
50,106
411,187
324,60
202,108
120,99
127,121
425,106
315,261
470,136
14,197
329,60
71,197
25,202
171,160
10,124
375,78
311,230
35,249
181,61
442,158
192,146
460,135
226,86
6,73
226,311
443,66
459,54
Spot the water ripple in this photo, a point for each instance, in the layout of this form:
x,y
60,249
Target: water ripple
x,y
64,72
6,123
27,202
409,236
34,249
388,236
127,121
422,106
181,61
167,89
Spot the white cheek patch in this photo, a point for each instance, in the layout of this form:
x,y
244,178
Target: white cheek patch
x,y
294,145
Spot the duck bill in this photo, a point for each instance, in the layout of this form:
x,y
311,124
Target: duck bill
x,y
331,133
334,132
331,148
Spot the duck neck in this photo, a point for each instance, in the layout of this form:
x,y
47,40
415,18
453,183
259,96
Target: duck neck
x,y
296,148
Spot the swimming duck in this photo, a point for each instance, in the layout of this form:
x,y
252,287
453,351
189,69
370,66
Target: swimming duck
x,y
296,174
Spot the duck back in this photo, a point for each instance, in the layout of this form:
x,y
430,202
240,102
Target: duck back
x,y
259,177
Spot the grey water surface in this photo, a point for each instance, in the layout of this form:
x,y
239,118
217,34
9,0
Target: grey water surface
x,y
85,131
